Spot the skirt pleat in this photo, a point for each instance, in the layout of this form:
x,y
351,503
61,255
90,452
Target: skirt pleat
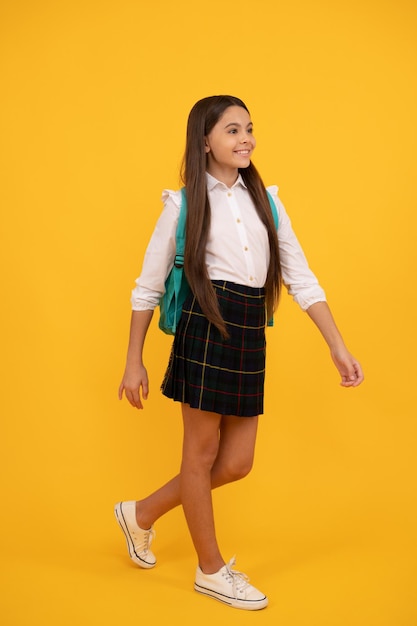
x,y
211,373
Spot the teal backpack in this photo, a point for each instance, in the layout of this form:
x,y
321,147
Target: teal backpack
x,y
176,285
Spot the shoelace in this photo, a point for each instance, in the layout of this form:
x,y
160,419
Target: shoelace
x,y
239,580
143,545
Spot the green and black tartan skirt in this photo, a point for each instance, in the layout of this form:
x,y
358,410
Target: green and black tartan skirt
x,y
213,374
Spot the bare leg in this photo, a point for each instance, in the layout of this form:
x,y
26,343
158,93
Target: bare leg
x,y
233,462
234,458
200,448
236,450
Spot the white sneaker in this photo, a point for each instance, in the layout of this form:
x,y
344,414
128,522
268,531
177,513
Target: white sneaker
x,y
230,587
138,540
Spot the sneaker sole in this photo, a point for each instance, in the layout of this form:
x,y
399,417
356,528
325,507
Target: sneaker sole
x,y
248,605
118,512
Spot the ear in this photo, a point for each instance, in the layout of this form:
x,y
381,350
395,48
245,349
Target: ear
x,y
206,145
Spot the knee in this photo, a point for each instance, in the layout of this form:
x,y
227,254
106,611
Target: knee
x,y
203,458
236,469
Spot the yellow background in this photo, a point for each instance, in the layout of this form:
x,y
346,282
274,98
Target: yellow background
x,y
95,97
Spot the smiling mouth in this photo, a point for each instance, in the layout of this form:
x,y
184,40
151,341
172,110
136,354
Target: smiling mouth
x,y
242,152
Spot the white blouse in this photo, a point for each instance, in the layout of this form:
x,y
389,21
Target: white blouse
x,y
237,247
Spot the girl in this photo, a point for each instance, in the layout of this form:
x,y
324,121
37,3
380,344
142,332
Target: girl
x,y
235,261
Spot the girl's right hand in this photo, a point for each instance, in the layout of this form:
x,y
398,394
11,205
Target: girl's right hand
x,y
135,380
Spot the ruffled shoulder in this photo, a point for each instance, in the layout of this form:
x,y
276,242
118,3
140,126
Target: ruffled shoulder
x,y
273,190
174,196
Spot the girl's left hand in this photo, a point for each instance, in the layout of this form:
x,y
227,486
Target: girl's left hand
x,y
348,367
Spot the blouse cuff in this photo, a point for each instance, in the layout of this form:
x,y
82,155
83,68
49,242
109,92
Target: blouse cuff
x,y
305,301
146,303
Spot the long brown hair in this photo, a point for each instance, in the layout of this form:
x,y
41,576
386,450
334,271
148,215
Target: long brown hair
x,y
202,118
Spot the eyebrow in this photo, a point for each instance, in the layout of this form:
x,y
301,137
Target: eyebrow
x,y
237,124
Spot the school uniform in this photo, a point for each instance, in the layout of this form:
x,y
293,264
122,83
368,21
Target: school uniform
x,y
204,370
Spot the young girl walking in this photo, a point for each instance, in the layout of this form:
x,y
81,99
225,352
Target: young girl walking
x,y
235,261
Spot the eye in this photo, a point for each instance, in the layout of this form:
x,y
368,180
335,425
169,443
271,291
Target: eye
x,y
233,131
250,130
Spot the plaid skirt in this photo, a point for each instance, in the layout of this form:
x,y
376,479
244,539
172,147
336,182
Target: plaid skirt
x,y
211,373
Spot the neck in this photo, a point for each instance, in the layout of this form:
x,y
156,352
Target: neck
x,y
228,178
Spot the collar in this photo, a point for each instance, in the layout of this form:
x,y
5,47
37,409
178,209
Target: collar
x,y
213,182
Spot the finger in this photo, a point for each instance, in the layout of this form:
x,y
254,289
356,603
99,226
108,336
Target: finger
x,y
348,375
145,390
354,377
130,397
358,373
136,402
120,392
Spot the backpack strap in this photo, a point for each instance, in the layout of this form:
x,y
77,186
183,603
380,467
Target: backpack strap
x,y
275,216
273,208
180,233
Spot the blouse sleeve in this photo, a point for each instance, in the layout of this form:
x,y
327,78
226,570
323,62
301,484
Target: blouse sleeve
x,y
159,256
298,278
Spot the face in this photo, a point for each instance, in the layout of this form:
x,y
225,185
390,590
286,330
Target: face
x,y
230,144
